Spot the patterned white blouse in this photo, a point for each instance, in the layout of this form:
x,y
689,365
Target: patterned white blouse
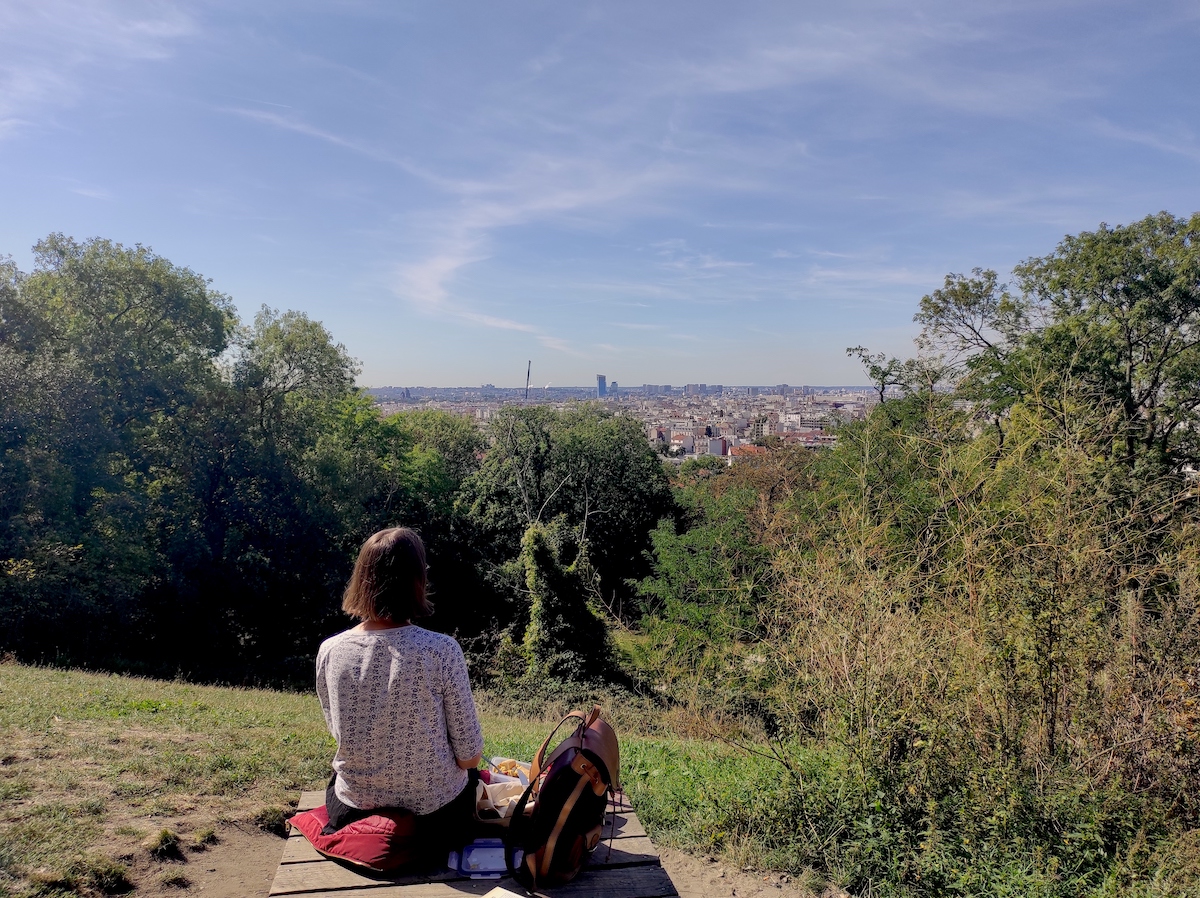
x,y
399,704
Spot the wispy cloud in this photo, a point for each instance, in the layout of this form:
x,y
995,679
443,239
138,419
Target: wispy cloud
x,y
557,344
493,321
262,102
94,193
872,276
297,125
914,52
458,234
423,283
50,50
1181,144
677,255
536,188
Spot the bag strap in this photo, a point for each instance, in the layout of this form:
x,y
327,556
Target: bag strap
x,y
518,824
593,715
540,758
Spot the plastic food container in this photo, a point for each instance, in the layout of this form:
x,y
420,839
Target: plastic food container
x,y
483,859
522,770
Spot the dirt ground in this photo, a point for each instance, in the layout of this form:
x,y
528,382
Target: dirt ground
x,y
243,863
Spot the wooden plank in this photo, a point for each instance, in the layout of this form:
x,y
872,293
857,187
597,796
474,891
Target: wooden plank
x,y
628,882
298,849
325,875
310,800
627,825
648,881
621,802
454,889
625,851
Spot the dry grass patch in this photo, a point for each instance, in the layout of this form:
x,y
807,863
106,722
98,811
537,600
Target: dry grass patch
x,y
96,768
112,783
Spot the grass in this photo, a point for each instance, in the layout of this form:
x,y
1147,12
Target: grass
x,y
163,845
100,770
106,780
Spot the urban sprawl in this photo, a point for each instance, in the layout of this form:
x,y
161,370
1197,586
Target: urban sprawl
x,y
681,422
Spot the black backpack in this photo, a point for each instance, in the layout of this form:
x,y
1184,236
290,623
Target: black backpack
x,y
570,789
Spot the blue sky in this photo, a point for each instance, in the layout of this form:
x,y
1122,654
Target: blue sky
x,y
661,192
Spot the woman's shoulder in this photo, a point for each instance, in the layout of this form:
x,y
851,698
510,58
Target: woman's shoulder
x,y
338,639
437,642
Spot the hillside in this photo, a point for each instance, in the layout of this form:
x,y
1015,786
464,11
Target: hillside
x,y
109,783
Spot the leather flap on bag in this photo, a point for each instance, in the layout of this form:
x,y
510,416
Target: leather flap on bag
x,y
600,739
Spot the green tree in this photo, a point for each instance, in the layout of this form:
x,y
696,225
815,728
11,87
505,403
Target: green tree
x,y
103,347
565,638
164,470
594,469
1111,317
698,639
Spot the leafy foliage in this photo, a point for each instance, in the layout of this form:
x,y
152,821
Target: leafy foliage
x,y
979,635
565,639
167,470
591,471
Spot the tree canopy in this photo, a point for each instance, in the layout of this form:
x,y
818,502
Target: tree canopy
x,y
166,469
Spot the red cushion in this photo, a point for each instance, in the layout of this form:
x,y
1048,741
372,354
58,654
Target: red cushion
x,y
381,842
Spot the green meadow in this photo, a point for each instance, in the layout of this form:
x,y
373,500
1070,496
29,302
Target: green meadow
x,y
105,780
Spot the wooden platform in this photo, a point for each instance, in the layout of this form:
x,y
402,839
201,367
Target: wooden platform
x,y
630,870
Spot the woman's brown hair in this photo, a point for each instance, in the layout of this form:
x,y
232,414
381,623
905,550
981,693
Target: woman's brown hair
x,y
389,578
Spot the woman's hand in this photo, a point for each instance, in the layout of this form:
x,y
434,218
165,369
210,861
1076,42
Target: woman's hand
x,y
469,765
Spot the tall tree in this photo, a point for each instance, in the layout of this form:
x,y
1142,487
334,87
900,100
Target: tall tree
x,y
592,468
1111,318
103,346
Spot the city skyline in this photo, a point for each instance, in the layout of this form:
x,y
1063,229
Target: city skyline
x,y
454,189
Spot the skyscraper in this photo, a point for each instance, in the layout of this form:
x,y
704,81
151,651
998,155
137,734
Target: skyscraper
x,y
601,386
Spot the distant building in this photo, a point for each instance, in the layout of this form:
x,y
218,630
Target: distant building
x,y
601,386
684,442
744,452
613,389
763,427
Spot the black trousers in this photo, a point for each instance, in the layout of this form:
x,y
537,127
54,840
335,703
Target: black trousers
x,y
450,826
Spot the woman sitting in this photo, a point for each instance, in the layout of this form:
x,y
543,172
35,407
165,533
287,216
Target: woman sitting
x,y
397,700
